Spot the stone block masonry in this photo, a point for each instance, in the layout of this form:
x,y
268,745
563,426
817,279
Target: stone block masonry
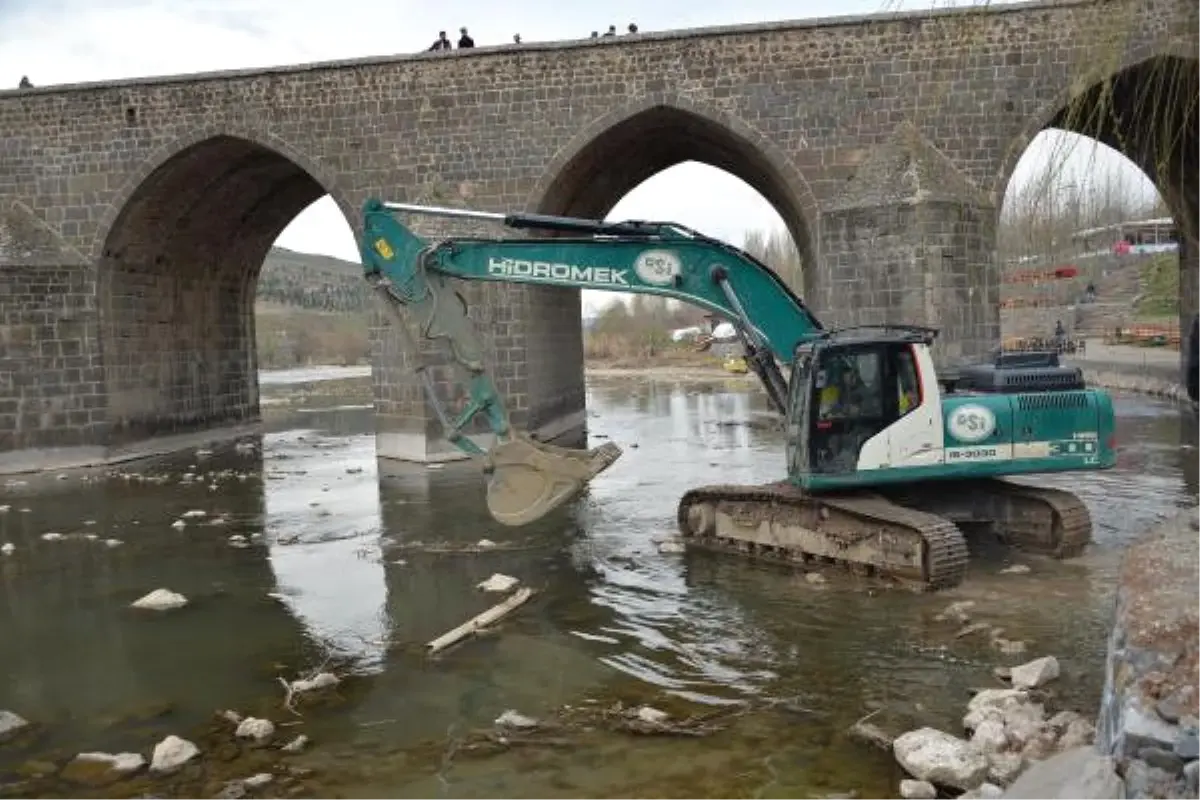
x,y
1149,714
135,215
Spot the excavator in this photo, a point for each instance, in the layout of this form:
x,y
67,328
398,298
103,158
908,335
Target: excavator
x,y
889,464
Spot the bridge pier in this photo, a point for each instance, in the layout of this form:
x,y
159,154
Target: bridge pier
x,y
910,240
533,346
1189,297
52,406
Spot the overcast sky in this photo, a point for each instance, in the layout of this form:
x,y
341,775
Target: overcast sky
x,y
63,41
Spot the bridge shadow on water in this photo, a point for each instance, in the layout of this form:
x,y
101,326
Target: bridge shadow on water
x,y
353,564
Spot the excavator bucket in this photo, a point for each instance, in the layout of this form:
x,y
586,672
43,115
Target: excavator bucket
x,y
529,479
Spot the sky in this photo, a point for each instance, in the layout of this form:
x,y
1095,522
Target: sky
x,y
68,41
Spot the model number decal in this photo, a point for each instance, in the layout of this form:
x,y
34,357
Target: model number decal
x,y
518,268
971,453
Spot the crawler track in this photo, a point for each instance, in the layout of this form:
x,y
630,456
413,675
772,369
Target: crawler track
x,y
861,530
1042,520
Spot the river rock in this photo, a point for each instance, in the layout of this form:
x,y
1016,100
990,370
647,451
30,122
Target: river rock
x,y
935,756
990,736
956,611
985,791
1077,734
993,704
161,600
1080,773
11,724
296,745
917,790
8,548
651,715
515,719
97,769
498,583
257,781
1003,768
254,728
1025,723
1036,673
172,753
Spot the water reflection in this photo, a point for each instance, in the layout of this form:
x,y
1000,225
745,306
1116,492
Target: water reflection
x,y
324,532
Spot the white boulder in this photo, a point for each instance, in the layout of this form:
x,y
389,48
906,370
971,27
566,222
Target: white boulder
x,y
11,724
498,583
1036,673
935,756
254,728
161,600
172,753
917,790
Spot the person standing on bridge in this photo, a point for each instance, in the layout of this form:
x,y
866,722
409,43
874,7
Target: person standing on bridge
x,y
465,41
441,43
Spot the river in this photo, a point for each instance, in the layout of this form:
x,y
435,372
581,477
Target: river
x,y
330,579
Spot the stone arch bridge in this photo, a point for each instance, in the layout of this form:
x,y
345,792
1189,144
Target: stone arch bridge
x,y
135,215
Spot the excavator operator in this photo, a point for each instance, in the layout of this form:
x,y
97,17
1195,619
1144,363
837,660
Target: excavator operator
x,y
842,390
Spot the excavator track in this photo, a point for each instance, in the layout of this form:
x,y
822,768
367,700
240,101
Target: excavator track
x,y
1036,519
861,530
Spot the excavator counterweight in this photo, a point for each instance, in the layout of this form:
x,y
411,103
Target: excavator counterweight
x,y
886,467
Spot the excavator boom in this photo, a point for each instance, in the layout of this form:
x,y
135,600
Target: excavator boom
x,y
530,478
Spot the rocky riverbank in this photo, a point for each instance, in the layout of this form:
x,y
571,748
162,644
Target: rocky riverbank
x,y
1148,715
1006,730
1144,744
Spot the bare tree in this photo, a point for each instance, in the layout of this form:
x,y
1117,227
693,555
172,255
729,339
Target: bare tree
x,y
777,250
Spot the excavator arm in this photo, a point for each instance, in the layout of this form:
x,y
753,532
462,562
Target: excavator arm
x,y
529,478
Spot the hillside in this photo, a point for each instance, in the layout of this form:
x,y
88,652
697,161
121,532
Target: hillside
x,y
310,309
319,283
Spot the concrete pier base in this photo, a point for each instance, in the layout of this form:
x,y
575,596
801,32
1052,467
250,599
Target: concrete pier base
x,y
67,458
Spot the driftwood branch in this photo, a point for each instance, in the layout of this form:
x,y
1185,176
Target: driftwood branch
x,y
480,621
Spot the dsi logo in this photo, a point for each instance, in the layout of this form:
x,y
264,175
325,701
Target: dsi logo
x,y
971,423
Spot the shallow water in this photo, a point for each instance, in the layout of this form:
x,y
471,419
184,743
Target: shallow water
x,y
331,578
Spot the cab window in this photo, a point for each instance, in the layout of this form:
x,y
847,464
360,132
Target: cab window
x,y
908,381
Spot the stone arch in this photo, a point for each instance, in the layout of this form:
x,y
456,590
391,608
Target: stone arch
x,y
136,180
621,149
1053,109
178,253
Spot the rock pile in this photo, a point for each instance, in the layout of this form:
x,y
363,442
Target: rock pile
x,y
1005,731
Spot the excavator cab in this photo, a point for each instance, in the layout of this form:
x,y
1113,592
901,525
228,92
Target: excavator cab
x,y
843,392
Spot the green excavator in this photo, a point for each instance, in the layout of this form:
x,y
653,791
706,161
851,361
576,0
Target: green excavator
x,y
888,463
